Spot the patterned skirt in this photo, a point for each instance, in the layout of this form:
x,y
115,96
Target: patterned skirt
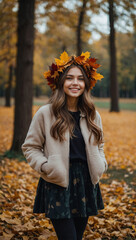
x,y
80,199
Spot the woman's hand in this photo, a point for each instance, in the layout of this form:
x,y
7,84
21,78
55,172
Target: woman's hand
x,y
43,167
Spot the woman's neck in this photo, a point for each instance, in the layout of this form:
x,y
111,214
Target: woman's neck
x,y
72,104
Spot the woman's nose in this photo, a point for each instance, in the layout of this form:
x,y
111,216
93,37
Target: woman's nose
x,y
75,81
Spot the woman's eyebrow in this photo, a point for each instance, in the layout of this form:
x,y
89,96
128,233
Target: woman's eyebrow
x,y
73,75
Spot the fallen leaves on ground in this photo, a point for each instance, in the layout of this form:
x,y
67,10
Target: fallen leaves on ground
x,y
19,182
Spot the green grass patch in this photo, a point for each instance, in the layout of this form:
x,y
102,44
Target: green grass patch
x,y
103,104
128,106
120,174
122,105
38,103
13,155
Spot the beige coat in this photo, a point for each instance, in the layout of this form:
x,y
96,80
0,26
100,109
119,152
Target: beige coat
x,y
40,147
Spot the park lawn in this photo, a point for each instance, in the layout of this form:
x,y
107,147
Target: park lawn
x,y
19,182
122,105
104,103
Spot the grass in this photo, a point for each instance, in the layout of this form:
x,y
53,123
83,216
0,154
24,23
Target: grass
x,y
123,105
120,174
103,104
13,155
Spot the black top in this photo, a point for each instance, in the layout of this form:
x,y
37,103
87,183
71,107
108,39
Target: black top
x,y
77,144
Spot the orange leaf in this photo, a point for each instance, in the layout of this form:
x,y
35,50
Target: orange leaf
x,y
80,59
92,63
47,73
97,76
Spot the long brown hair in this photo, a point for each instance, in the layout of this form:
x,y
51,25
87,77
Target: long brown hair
x,y
64,119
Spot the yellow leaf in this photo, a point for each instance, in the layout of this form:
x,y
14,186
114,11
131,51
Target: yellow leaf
x,y
64,58
86,54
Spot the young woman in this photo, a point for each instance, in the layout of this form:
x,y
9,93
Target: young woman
x,y
65,145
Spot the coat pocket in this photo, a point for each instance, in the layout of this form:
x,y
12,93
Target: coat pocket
x,y
55,169
96,166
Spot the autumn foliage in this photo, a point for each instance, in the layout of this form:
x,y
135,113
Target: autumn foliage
x,y
89,65
19,182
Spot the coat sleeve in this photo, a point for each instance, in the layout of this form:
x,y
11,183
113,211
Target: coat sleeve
x,y
101,145
33,145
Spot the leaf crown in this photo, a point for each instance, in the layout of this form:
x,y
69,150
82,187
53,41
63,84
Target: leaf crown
x,y
89,65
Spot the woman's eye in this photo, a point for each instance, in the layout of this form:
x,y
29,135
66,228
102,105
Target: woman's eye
x,y
81,79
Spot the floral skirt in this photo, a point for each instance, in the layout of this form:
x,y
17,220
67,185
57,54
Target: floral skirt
x,y
80,199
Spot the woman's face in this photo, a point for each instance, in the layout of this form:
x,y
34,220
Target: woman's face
x,y
74,84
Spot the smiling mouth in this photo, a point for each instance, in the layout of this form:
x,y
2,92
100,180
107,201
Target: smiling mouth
x,y
74,89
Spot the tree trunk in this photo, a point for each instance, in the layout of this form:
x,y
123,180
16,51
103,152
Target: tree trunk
x,y
37,91
64,48
134,88
8,88
24,73
113,67
79,28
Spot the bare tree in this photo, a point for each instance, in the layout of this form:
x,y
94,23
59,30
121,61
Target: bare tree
x,y
113,65
79,27
24,72
8,88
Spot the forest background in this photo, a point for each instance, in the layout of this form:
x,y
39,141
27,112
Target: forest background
x,y
57,26
32,33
